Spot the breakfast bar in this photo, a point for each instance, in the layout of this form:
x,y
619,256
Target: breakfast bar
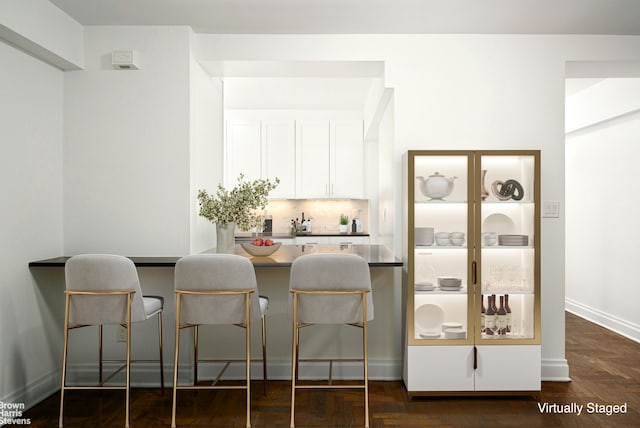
x,y
375,255
272,273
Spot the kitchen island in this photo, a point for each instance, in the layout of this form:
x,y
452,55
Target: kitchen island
x,y
272,273
375,255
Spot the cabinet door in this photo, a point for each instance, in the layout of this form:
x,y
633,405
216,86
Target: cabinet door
x,y
508,368
439,368
441,249
312,165
278,160
242,151
508,257
347,159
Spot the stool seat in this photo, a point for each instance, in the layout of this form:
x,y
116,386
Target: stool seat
x,y
152,305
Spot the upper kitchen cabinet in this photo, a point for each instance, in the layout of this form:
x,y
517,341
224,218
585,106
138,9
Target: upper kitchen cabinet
x,y
261,149
243,153
329,159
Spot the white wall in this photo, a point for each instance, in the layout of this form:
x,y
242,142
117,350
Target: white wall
x,y
126,172
30,225
466,91
44,31
207,139
602,212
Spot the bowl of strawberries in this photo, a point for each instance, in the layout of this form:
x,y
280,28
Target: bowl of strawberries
x,y
261,247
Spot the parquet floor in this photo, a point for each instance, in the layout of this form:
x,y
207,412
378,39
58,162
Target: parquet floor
x,y
605,369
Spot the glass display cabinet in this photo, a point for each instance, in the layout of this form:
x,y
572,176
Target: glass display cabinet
x,y
473,292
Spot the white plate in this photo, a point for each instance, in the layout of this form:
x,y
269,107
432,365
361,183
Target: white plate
x,y
430,335
424,286
446,325
429,317
500,223
455,333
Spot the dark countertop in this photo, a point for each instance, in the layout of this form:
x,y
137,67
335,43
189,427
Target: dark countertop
x,y
375,255
248,236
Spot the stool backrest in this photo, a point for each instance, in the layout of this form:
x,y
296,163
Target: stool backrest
x,y
216,272
338,272
100,273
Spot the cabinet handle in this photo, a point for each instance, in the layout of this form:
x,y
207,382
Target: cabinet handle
x,y
475,358
326,190
474,272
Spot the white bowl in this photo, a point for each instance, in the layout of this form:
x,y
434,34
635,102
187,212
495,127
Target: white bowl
x,y
260,250
442,241
457,241
442,235
449,281
456,235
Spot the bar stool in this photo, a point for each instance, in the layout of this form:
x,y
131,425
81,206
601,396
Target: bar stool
x,y
330,289
217,289
105,289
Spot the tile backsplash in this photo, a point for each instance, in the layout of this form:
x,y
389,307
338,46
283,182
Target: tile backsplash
x,y
324,213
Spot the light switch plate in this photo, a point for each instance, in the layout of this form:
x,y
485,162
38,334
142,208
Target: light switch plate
x,y
550,209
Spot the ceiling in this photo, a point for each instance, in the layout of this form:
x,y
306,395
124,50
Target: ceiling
x,y
620,17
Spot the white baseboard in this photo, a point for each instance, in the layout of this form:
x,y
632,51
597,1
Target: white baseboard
x,y
555,370
146,375
36,391
611,322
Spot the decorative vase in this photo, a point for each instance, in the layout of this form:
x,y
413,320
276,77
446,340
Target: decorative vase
x,y
225,238
485,194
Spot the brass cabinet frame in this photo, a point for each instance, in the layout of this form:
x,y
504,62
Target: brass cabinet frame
x,y
474,248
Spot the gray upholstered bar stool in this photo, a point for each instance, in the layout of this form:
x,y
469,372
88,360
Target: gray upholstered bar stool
x,y
217,289
105,289
330,289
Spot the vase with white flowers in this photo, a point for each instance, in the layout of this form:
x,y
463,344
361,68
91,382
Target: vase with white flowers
x,y
238,207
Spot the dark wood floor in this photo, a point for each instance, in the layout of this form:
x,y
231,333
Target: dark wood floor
x,y
605,369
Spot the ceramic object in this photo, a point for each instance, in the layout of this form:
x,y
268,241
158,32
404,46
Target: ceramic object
x,y
423,236
436,186
225,238
261,250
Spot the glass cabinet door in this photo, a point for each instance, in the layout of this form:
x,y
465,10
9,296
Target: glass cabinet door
x,y
440,214
507,238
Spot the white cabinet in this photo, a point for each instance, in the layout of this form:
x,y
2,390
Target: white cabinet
x,y
261,149
279,156
334,240
312,159
312,240
243,153
349,240
329,159
473,295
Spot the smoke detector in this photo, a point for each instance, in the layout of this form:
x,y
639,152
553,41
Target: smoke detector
x,y
125,60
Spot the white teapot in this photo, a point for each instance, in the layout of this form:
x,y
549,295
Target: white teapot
x,y
436,186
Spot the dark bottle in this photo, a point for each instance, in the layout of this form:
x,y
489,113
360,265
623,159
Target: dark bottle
x,y
502,318
490,317
482,315
354,227
508,309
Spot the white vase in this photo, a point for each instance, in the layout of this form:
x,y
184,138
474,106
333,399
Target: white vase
x,y
343,228
225,238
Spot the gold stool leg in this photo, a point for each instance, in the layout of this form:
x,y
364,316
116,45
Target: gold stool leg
x,y
264,354
195,355
175,361
365,351
161,351
294,359
64,357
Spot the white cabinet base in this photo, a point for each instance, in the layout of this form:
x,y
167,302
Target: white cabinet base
x,y
449,369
